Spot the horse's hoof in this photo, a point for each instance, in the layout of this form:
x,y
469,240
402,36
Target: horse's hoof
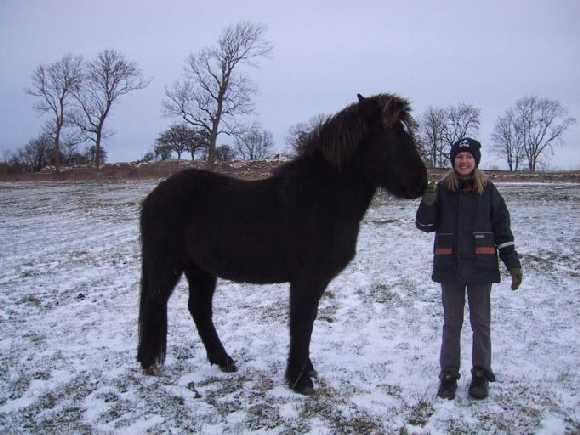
x,y
152,371
312,374
304,386
227,365
310,370
230,367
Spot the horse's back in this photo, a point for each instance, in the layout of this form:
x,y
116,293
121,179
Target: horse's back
x,y
232,228
261,231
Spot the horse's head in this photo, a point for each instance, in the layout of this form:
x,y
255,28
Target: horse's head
x,y
388,153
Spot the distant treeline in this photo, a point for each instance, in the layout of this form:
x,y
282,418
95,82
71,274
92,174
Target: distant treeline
x,y
215,95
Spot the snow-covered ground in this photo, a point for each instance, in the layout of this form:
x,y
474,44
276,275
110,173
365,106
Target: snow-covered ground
x,y
69,277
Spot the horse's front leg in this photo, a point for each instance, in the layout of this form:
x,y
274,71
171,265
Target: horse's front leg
x,y
304,299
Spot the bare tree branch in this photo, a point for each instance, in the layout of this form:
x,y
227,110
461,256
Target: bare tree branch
x,y
255,143
54,86
298,133
541,122
105,80
439,128
462,121
180,138
214,92
507,140
431,132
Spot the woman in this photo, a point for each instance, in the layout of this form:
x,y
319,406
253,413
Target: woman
x,y
471,223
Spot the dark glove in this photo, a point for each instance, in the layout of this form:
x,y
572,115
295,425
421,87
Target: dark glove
x,y
517,278
430,193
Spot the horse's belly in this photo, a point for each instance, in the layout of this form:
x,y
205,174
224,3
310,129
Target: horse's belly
x,y
254,277
243,266
248,273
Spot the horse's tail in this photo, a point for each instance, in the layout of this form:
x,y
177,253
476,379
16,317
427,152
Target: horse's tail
x,y
159,275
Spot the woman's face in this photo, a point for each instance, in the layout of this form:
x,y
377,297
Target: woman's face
x,y
464,163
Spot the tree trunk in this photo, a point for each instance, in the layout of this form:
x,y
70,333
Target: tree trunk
x,y
98,149
211,152
56,152
59,124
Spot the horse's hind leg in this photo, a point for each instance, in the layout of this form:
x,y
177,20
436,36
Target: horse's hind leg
x,y
157,284
201,289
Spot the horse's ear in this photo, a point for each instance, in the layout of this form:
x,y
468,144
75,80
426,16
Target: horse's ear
x,y
366,106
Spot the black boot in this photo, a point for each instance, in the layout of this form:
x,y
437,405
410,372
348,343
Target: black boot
x,y
480,379
448,384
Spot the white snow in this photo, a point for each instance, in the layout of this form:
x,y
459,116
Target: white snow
x,y
69,283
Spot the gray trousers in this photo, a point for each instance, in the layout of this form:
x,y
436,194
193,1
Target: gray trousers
x,y
478,296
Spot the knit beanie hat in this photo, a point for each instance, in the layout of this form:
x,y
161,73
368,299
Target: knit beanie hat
x,y
467,145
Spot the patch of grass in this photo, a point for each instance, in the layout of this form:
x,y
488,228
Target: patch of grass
x,y
263,416
327,403
421,413
549,261
277,312
383,294
327,313
391,390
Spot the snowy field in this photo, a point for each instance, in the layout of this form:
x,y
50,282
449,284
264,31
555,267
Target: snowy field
x,y
69,278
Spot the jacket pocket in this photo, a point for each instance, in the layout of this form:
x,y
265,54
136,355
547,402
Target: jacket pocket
x,y
444,244
445,261
484,243
485,252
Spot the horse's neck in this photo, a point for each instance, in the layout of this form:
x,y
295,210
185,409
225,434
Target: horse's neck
x,y
354,202
344,192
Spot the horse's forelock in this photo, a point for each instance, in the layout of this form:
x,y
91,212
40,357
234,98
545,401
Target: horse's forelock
x,y
394,109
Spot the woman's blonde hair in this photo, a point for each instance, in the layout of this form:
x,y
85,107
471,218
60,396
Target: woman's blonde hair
x,y
451,180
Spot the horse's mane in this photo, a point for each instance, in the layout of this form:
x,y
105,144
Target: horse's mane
x,y
338,136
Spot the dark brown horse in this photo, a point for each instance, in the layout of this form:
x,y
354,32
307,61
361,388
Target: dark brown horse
x,y
298,226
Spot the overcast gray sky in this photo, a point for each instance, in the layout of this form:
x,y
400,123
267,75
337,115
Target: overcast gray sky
x,y
436,53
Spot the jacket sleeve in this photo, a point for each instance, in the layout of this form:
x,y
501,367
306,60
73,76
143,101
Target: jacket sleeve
x,y
501,225
426,217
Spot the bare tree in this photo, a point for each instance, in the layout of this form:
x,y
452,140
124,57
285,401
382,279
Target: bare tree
x,y
162,152
297,137
198,143
105,80
149,156
179,138
214,92
440,128
99,157
462,120
507,140
69,140
255,144
70,151
432,127
541,123
36,154
54,85
298,133
225,153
